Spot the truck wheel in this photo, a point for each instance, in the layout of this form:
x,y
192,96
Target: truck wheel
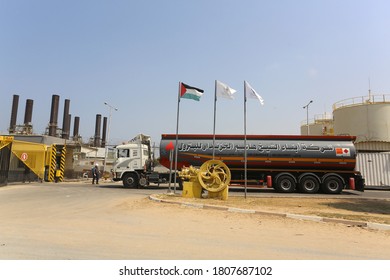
x,y
143,182
285,184
309,184
332,185
130,180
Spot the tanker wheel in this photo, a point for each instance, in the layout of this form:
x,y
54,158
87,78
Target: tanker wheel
x,y
214,175
309,184
285,184
332,185
130,180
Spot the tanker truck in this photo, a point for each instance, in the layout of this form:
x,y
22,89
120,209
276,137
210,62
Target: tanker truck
x,y
134,165
308,164
287,163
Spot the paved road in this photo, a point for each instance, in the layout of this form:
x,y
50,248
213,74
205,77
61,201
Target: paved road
x,y
81,221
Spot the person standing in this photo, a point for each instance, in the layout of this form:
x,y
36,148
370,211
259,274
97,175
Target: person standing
x,y
95,174
26,174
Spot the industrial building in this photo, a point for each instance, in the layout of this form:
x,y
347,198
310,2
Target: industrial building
x,y
367,118
28,156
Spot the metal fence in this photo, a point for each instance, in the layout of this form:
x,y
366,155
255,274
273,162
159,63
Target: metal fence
x,y
375,167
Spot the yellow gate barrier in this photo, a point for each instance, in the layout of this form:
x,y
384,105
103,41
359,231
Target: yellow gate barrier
x,y
52,162
61,170
32,155
39,157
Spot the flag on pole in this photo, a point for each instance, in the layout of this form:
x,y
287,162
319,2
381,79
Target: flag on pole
x,y
251,93
224,90
190,92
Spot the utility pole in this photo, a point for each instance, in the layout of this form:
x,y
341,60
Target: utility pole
x,y
307,115
108,133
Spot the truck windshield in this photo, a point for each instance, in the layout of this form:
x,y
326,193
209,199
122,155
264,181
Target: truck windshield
x,y
123,153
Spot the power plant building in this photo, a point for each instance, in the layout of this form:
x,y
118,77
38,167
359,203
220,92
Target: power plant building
x,y
78,157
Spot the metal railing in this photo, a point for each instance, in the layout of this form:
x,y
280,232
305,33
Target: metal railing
x,y
319,118
362,100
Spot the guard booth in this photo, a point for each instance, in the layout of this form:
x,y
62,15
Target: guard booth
x,y
27,161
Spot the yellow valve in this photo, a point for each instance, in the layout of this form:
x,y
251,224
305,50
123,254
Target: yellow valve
x,y
214,176
189,173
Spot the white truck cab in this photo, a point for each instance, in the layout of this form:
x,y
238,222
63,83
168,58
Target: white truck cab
x,y
132,161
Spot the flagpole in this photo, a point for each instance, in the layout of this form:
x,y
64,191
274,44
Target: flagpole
x,y
215,110
177,136
245,150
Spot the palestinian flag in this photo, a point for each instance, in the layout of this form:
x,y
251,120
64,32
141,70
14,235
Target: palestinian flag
x,y
190,92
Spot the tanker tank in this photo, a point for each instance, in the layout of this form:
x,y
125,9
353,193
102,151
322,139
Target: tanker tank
x,y
264,151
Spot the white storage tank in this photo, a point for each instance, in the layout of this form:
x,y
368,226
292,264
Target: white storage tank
x,y
320,125
366,117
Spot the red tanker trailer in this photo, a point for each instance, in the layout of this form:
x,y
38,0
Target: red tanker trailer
x,y
285,162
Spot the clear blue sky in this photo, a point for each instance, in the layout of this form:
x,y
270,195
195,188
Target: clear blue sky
x,y
132,54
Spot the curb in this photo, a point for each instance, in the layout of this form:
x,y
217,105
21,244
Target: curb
x,y
377,188
283,215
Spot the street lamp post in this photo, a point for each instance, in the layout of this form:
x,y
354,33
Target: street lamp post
x,y
108,133
307,115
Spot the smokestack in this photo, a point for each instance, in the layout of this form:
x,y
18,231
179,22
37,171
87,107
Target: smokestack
x,y
65,120
76,128
14,114
69,124
96,141
54,115
104,132
28,112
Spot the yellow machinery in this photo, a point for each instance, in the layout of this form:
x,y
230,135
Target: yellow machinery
x,y
213,176
46,162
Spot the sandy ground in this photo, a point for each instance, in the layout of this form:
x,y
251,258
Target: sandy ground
x,y
45,222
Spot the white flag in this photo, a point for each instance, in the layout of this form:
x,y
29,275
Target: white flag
x,y
225,91
251,93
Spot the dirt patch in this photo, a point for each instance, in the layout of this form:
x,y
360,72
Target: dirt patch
x,y
367,210
132,204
